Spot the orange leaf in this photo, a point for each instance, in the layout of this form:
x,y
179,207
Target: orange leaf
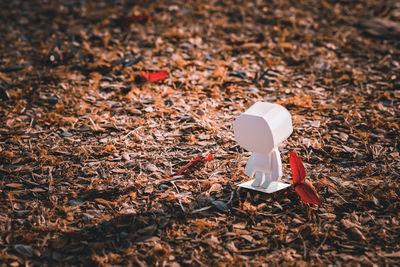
x,y
307,193
297,167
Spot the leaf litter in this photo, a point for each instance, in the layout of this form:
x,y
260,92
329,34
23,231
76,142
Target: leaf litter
x,y
103,102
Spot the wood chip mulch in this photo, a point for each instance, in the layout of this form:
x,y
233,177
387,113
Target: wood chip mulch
x,y
103,102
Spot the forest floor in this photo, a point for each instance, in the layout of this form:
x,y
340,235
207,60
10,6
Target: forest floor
x,y
90,149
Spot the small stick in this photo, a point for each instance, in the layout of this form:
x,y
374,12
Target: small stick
x,y
304,246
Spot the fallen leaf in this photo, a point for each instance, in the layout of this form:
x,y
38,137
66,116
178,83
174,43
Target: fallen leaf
x,y
304,189
24,250
394,254
193,162
297,167
220,205
138,18
215,188
5,78
146,232
307,193
154,76
14,185
4,94
381,27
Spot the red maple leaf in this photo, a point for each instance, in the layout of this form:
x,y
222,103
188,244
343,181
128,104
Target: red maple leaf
x,y
154,76
140,18
128,20
304,189
193,162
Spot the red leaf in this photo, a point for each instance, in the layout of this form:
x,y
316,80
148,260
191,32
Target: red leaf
x,y
128,20
209,157
307,193
297,167
304,189
155,76
193,162
131,19
48,204
141,17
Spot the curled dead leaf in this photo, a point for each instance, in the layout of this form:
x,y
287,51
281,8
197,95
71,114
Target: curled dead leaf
x,y
24,250
215,188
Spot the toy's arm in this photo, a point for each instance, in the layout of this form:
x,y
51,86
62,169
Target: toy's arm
x,y
276,165
249,169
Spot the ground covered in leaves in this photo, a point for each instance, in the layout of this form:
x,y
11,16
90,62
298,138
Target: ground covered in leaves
x,y
91,142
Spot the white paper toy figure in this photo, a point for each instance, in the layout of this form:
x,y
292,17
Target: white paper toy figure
x,y
260,130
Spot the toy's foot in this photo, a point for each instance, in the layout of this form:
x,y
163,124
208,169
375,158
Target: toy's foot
x,y
259,178
266,180
273,187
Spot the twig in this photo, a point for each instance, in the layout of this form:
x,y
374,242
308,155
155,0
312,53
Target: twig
x,y
131,132
304,246
201,209
198,261
391,168
179,201
324,240
180,204
340,195
179,181
231,197
50,180
177,189
251,250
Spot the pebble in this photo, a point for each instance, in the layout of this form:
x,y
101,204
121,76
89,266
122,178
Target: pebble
x,y
107,78
186,46
24,250
168,102
75,202
126,156
239,74
375,136
280,68
66,134
270,99
396,85
296,221
103,140
344,136
163,186
253,90
134,111
87,217
123,235
19,213
388,103
151,167
149,109
53,99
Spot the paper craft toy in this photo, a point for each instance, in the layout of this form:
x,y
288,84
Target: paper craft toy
x,y
260,130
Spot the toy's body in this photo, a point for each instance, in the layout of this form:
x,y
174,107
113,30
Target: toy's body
x,y
266,167
260,129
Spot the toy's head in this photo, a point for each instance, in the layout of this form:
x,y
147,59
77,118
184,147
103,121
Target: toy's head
x,y
262,127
